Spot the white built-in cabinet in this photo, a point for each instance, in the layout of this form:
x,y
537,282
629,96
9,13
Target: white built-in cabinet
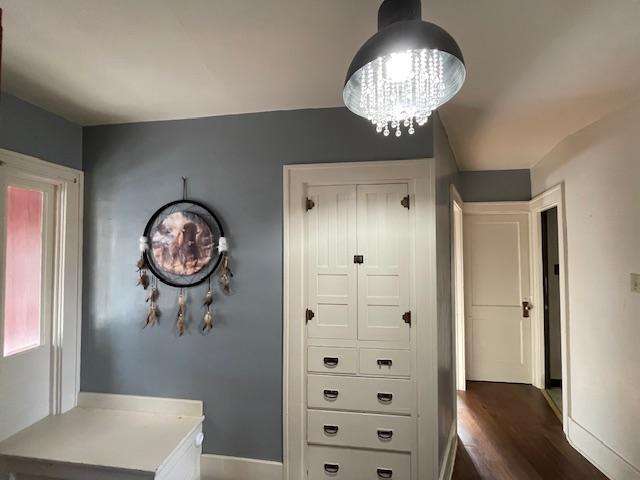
x,y
361,410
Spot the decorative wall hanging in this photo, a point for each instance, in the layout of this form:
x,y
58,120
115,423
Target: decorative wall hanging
x,y
182,245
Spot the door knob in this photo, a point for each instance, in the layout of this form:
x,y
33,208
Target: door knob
x,y
526,306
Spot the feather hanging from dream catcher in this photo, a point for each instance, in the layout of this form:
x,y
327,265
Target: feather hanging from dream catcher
x,y
207,324
143,275
224,278
180,320
152,313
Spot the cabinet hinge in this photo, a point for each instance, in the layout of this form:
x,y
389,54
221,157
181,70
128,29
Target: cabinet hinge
x,y
405,202
407,318
309,315
309,204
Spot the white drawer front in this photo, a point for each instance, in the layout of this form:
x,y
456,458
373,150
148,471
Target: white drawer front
x,y
332,360
383,362
377,395
326,463
346,429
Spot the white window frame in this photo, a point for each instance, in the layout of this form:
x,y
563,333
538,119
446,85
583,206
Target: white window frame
x,y
419,175
66,309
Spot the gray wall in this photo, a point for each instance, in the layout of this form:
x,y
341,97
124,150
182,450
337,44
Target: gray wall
x,y
234,164
27,129
495,185
446,174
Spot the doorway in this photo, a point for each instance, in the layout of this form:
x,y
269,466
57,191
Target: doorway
x,y
551,300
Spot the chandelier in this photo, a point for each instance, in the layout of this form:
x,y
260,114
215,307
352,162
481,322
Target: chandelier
x,y
405,71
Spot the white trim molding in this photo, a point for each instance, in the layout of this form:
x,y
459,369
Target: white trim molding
x,y
68,184
457,298
552,198
419,176
219,467
599,454
446,471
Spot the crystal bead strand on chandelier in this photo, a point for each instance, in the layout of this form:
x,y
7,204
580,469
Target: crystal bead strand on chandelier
x,y
402,88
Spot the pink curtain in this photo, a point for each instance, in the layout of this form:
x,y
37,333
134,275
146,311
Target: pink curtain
x,y
23,270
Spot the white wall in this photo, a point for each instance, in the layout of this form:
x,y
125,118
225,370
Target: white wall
x,y
600,167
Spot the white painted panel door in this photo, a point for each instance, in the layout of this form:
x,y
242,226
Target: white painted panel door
x,y
332,277
383,277
26,261
496,283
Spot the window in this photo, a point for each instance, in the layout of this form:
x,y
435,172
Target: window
x,y
23,270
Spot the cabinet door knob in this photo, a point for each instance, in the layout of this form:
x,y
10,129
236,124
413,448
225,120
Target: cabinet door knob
x,y
331,394
331,362
385,397
385,473
331,429
385,434
331,468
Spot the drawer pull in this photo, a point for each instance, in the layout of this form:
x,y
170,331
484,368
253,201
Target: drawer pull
x,y
385,397
331,468
385,434
331,394
331,429
331,362
385,473
387,362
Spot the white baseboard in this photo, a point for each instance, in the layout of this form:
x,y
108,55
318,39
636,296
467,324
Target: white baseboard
x,y
606,460
219,467
446,471
133,403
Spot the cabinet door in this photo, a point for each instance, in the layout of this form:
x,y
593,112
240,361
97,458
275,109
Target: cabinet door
x,y
383,277
332,276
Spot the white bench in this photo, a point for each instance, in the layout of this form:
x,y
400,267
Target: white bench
x,y
112,437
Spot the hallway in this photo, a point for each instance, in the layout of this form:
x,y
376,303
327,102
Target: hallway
x,y
508,431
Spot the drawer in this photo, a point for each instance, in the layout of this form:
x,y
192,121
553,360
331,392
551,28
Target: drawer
x,y
363,430
327,463
332,360
377,395
383,362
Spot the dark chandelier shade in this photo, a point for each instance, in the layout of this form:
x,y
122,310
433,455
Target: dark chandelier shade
x,y
405,71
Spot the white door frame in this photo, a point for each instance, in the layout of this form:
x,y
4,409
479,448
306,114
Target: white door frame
x,y
68,185
457,279
554,197
419,175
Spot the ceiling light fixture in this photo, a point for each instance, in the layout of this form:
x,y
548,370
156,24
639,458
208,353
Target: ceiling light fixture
x,y
405,71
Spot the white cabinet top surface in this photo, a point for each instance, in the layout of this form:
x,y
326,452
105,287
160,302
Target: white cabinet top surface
x,y
116,439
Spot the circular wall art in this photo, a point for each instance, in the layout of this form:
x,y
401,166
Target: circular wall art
x,y
183,238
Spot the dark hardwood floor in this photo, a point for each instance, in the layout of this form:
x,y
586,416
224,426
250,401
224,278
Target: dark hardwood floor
x,y
508,431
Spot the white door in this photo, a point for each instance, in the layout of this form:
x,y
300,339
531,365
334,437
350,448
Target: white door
x,y
383,275
332,275
496,283
26,260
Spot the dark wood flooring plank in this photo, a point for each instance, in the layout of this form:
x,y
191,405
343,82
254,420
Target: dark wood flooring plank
x,y
509,432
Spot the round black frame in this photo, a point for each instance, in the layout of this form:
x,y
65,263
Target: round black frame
x,y
203,274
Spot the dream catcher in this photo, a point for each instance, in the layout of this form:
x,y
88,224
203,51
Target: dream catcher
x,y
182,246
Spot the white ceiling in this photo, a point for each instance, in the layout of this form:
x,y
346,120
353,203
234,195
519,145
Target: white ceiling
x,y
538,70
